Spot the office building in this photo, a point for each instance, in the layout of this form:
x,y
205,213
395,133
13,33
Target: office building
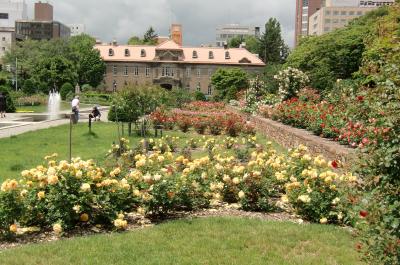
x,y
226,32
41,30
338,13
171,65
304,10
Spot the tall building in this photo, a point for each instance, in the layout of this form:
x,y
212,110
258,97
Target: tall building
x,y
304,10
176,34
171,65
10,11
77,29
227,32
43,12
338,13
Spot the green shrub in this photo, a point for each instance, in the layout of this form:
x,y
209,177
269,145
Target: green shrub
x,y
66,89
9,101
29,87
199,96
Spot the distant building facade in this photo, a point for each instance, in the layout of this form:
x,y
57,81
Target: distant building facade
x,y
304,10
226,32
41,30
43,12
338,13
10,11
171,65
77,29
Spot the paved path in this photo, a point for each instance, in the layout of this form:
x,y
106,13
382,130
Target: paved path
x,y
23,127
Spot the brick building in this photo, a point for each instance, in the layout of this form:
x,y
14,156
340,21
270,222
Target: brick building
x,y
171,65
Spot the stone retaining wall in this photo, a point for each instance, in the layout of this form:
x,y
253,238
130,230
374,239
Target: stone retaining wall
x,y
290,137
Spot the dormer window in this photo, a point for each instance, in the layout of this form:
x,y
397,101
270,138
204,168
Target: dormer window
x,y
110,52
210,55
143,53
194,55
227,56
127,53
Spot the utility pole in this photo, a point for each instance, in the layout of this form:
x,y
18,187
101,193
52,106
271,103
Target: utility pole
x,y
16,74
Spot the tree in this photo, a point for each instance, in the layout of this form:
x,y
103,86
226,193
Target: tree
x,y
9,101
272,48
235,42
54,72
29,87
228,82
89,66
150,37
135,40
252,43
66,89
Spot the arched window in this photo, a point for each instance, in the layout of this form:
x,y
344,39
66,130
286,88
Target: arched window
x,y
110,52
127,53
194,55
143,53
227,55
210,55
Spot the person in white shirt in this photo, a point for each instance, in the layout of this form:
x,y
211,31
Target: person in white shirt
x,y
75,107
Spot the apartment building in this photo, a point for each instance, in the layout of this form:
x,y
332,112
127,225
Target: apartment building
x,y
225,33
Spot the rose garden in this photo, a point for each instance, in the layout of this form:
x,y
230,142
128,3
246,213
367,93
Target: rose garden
x,y
174,178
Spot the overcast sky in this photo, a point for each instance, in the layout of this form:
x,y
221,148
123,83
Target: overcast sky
x,y
120,19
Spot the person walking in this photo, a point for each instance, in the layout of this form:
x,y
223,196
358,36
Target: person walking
x,y
75,108
3,105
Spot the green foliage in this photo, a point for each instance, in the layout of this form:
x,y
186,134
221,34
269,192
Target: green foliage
x,y
272,47
270,70
228,82
9,101
252,43
29,87
199,96
66,89
150,37
335,55
134,40
178,97
10,211
133,102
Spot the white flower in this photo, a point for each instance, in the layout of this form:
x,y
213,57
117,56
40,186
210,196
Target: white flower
x,y
85,187
241,194
304,198
323,220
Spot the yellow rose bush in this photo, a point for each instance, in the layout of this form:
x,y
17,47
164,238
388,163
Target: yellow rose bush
x,y
60,195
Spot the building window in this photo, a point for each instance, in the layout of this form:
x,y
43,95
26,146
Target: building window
x,y
4,38
3,15
210,55
126,71
114,70
143,53
326,29
147,71
198,88
194,55
351,13
167,71
227,55
209,90
359,13
127,53
335,21
327,20
335,13
343,13
3,48
188,71
188,87
199,72
135,70
210,72
114,86
327,13
110,52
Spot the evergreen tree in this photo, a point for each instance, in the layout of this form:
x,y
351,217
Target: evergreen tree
x,y
272,46
150,36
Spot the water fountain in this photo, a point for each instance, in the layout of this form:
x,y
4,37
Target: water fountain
x,y
53,107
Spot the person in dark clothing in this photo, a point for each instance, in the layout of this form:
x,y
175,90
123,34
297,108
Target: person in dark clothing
x,y
95,114
3,105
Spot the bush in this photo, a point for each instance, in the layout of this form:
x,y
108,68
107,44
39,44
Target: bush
x,y
9,101
291,80
66,89
29,87
199,96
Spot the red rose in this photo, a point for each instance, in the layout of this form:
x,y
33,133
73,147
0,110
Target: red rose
x,y
360,98
363,213
335,164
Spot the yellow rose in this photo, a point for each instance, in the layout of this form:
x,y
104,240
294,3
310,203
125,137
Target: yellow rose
x,y
57,228
85,187
241,194
41,195
84,217
323,220
13,228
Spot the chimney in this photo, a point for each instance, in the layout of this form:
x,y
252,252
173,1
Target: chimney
x,y
225,45
176,34
43,12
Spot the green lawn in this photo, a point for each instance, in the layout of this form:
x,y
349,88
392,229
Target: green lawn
x,y
28,150
200,241
43,108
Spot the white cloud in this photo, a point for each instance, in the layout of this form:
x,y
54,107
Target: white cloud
x,y
121,19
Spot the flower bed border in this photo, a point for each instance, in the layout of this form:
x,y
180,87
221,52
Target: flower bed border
x,y
290,137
